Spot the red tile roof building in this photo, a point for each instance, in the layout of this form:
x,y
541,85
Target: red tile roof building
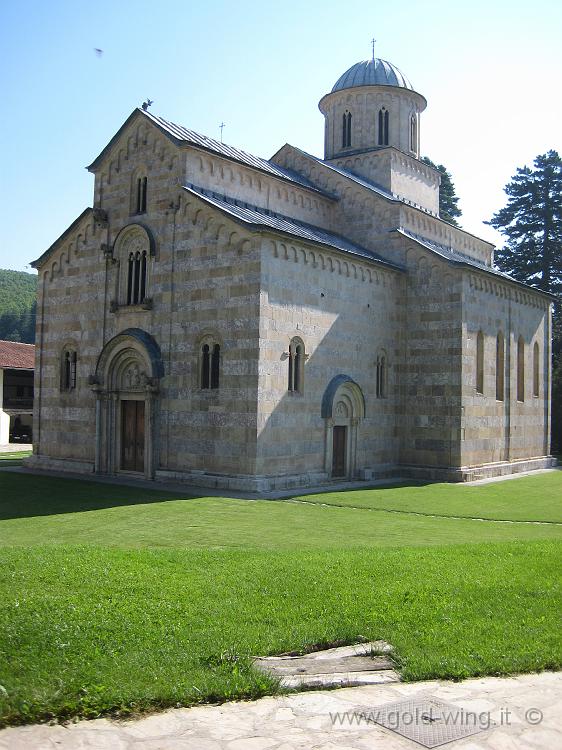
x,y
16,356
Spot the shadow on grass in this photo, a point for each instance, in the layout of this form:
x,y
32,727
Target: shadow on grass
x,y
26,495
382,485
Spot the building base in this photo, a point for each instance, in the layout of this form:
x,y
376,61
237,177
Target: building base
x,y
263,484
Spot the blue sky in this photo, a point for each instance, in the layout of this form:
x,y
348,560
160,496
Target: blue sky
x,y
490,71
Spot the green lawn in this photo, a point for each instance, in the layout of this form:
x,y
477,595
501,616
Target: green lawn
x,y
114,599
523,499
14,457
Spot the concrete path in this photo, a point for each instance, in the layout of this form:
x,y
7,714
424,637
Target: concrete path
x,y
527,710
15,447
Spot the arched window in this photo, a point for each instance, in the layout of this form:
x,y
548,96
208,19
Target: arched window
x,y
381,377
210,365
383,127
500,366
346,130
521,369
413,133
68,369
134,248
480,362
296,366
536,370
140,195
136,278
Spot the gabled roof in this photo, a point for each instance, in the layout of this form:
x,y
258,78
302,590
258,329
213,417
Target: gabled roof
x,y
16,356
460,259
379,190
255,218
42,258
182,136
372,186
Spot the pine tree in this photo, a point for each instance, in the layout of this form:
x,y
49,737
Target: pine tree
x,y
532,223
448,199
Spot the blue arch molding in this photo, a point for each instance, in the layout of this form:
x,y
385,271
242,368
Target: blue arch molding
x,y
147,341
331,390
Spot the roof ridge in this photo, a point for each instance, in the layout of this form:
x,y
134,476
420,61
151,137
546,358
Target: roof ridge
x,y
293,227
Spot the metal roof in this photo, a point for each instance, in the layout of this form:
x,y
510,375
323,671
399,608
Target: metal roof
x,y
375,72
182,135
257,218
372,186
454,256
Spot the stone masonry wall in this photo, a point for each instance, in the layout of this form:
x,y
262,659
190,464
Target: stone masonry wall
x,y
345,312
494,430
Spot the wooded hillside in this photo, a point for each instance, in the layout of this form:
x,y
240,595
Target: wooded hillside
x,y
17,306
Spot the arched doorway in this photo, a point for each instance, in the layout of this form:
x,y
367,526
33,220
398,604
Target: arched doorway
x,y
126,385
343,407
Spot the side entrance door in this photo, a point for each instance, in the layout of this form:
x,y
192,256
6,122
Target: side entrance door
x,y
132,435
339,451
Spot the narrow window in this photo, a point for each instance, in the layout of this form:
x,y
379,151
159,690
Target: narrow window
x,y
413,133
66,372
290,386
383,127
386,128
130,277
298,362
296,366
143,194
536,369
520,369
73,370
480,362
346,130
500,366
142,293
205,366
142,184
215,365
381,377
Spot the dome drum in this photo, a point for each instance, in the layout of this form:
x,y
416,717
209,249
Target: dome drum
x,y
372,105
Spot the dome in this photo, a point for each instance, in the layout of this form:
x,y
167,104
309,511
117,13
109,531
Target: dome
x,y
373,72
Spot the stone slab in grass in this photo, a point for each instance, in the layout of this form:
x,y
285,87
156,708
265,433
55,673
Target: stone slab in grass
x,y
345,666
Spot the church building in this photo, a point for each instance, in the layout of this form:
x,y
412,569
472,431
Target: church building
x,y
250,324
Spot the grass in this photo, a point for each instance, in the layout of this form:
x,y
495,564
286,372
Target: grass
x,y
114,599
14,457
522,499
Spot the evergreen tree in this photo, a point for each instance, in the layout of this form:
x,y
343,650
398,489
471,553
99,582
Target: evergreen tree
x,y
448,199
532,224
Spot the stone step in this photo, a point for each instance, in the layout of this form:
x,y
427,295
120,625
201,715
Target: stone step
x,y
298,665
339,679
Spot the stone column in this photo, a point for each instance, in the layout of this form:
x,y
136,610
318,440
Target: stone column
x,y
99,427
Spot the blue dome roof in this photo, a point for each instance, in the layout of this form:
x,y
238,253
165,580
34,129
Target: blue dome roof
x,y
372,73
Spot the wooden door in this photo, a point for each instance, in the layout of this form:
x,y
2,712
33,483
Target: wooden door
x,y
132,435
339,451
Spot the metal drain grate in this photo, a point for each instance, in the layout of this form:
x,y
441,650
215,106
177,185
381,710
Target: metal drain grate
x,y
428,721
